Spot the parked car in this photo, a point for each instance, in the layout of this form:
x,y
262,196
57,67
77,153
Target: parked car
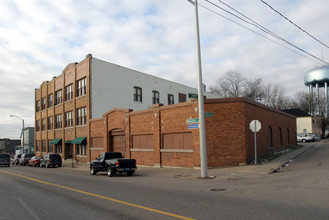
x,y
51,160
35,161
25,159
304,138
316,137
16,159
5,160
113,162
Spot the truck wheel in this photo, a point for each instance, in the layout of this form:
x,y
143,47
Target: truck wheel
x,y
110,172
130,173
92,170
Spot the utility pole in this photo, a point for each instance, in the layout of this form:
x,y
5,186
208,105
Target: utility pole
x,y
202,127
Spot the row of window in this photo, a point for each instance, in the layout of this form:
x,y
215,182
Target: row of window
x,y
81,119
68,95
138,96
81,149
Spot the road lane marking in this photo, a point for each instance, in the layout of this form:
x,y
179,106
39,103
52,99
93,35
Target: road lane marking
x,y
99,196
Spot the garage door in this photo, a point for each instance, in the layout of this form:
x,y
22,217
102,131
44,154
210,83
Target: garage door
x,y
117,141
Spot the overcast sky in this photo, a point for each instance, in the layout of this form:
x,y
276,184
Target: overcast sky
x,y
38,38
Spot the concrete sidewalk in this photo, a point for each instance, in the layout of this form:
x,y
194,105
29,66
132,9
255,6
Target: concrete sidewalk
x,y
170,172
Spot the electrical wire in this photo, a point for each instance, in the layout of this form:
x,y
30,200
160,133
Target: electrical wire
x,y
294,24
252,22
258,34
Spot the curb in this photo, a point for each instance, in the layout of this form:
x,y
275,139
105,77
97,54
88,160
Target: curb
x,y
286,164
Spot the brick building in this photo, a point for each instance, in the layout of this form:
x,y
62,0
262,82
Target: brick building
x,y
167,135
85,90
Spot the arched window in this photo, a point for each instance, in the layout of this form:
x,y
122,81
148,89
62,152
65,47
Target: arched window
x,y
280,137
269,137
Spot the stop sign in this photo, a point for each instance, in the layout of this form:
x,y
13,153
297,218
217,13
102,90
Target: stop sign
x,y
255,125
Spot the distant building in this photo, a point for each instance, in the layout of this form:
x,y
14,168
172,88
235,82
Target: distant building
x,y
305,123
28,139
8,146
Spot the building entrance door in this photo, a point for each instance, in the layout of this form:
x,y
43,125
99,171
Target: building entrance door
x,y
69,151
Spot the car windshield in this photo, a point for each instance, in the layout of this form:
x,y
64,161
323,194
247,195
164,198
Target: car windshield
x,y
4,155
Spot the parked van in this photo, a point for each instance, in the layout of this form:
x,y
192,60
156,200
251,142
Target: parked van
x,y
5,160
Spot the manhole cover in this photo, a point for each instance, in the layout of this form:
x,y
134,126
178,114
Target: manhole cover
x,y
217,190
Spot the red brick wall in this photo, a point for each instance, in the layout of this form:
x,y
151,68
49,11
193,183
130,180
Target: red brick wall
x,y
229,139
225,132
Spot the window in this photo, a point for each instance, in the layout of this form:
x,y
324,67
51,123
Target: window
x,y
170,99
181,97
138,94
58,148
155,97
269,138
58,121
37,127
81,149
82,116
58,97
288,136
37,146
50,146
280,137
81,87
43,124
43,103
69,119
69,92
43,146
50,100
143,141
37,106
50,123
178,141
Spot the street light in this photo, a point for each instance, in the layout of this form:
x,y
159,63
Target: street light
x,y
22,129
202,129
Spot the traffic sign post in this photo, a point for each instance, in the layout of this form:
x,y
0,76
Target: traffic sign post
x,y
255,126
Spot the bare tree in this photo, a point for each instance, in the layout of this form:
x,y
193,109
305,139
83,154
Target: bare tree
x,y
253,89
274,95
231,85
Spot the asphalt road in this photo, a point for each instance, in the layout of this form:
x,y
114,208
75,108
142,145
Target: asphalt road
x,y
299,192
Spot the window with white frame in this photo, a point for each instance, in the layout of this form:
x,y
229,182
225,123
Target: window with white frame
x,y
81,149
138,94
69,119
58,121
69,92
171,99
82,116
58,97
81,87
50,100
155,97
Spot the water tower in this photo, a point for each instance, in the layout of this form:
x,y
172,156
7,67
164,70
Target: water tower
x,y
318,78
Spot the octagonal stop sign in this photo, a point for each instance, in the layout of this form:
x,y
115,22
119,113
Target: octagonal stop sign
x,y
255,125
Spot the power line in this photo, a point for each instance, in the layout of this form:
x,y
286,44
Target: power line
x,y
294,24
252,22
258,33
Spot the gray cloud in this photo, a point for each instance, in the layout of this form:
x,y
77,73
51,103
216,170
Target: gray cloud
x,y
39,38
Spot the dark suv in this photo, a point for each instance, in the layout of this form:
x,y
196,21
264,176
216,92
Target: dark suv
x,y
51,160
5,160
25,159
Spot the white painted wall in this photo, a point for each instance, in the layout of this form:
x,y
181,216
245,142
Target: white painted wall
x,y
112,86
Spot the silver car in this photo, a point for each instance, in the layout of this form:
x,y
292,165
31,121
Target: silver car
x,y
304,138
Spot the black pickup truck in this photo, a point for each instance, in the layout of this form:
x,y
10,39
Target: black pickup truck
x,y
112,162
